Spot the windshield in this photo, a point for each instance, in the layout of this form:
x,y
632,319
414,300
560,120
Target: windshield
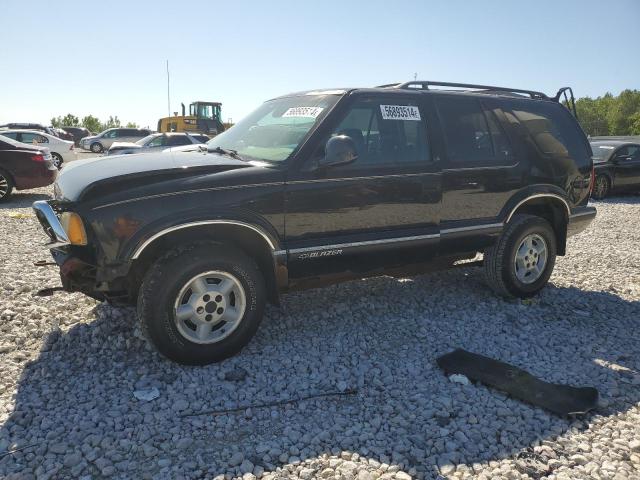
x,y
601,152
144,140
276,128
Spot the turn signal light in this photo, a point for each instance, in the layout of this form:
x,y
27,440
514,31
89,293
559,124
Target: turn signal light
x,y
72,224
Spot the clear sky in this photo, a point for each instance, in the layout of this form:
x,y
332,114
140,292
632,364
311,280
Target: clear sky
x,y
108,58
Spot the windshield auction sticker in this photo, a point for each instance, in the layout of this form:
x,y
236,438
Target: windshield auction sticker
x,y
400,112
307,112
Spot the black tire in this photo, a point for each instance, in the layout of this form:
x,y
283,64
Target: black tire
x,y
6,185
165,280
57,160
601,187
499,260
96,147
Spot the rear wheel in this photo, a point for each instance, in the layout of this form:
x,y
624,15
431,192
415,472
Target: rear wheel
x,y
202,303
96,147
57,160
6,185
522,260
601,187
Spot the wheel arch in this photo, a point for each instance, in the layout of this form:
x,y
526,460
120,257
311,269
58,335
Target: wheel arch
x,y
553,208
254,241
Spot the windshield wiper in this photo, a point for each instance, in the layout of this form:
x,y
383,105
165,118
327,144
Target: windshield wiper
x,y
227,152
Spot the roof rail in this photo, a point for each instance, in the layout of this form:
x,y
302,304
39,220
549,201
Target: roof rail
x,y
569,100
425,84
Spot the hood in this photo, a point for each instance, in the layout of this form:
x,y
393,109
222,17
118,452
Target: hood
x,y
195,147
77,176
116,145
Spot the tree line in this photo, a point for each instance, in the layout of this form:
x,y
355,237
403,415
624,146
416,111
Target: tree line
x,y
609,114
91,123
606,115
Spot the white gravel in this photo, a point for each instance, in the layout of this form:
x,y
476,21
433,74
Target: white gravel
x,y
69,368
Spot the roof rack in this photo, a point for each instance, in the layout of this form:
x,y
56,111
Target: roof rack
x,y
425,84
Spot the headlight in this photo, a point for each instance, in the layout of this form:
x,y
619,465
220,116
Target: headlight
x,y
72,224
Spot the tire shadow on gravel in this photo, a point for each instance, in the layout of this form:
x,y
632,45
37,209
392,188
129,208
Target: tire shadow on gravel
x,y
22,200
75,410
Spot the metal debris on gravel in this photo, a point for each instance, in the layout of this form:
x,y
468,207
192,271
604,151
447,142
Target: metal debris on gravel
x,y
69,365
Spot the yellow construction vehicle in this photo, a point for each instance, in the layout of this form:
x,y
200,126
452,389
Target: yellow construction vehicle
x,y
204,117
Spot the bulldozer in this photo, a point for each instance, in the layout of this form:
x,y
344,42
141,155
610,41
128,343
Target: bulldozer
x,y
204,117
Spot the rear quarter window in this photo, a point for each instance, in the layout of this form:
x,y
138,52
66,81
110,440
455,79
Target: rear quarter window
x,y
554,131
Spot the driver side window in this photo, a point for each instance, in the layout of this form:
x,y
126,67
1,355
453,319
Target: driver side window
x,y
157,142
384,134
631,152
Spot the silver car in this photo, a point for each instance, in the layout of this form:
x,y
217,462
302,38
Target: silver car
x,y
156,142
102,141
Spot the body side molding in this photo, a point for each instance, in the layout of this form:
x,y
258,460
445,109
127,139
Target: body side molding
x,y
161,233
539,195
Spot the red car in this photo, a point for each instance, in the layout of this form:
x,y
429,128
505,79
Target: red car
x,y
23,166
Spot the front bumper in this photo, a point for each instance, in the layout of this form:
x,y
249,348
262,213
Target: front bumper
x,y
78,270
75,274
51,224
580,219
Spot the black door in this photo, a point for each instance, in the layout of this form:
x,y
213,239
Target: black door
x,y
480,172
627,167
388,200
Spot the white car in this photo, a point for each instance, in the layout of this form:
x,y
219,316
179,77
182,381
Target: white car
x,y
61,150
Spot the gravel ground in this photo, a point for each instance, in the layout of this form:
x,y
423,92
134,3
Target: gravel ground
x,y
69,368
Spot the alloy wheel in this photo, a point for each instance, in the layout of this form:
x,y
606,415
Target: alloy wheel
x,y
209,307
531,258
600,190
4,186
57,161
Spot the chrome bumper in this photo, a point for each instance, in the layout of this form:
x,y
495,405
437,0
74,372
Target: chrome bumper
x,y
51,224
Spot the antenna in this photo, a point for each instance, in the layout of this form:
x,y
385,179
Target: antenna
x,y
168,97
415,76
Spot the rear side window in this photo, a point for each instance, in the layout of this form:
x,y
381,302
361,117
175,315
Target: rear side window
x,y
471,136
177,140
555,133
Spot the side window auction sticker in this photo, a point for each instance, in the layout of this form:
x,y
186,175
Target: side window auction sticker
x,y
400,112
307,112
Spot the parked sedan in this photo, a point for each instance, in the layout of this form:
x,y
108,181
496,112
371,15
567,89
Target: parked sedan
x,y
617,167
28,126
102,141
24,166
61,150
156,142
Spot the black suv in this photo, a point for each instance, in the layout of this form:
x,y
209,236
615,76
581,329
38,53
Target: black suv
x,y
319,187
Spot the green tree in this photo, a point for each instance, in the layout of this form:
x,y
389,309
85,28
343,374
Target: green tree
x,y
113,122
92,124
132,125
610,115
69,120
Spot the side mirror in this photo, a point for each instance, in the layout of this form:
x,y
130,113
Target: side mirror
x,y
339,150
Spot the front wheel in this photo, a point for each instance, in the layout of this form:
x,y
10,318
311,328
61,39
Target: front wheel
x,y
601,187
57,160
96,147
6,186
202,303
522,260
